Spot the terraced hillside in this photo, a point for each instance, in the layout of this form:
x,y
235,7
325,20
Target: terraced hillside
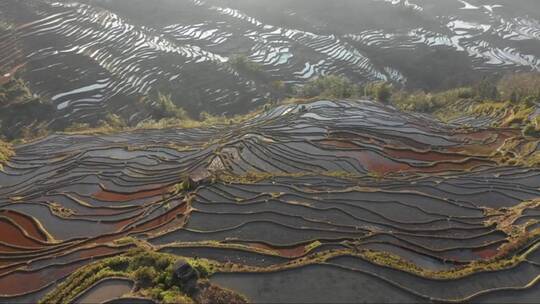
x,y
87,58
331,201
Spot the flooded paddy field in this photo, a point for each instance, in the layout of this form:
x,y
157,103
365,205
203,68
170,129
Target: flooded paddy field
x,y
132,180
329,201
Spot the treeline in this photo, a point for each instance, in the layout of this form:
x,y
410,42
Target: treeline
x,y
165,114
516,88
515,94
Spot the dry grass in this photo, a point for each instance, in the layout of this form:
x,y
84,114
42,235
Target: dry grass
x,y
206,121
6,151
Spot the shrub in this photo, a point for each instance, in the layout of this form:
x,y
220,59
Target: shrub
x,y
114,121
203,267
167,108
521,87
532,128
487,89
175,297
243,63
216,295
278,85
23,114
464,93
420,101
144,258
162,263
118,264
145,276
15,91
162,106
6,152
166,278
328,87
381,91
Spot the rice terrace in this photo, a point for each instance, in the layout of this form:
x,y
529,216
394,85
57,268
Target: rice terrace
x,y
254,151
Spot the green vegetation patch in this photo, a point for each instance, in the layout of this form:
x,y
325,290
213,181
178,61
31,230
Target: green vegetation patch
x,y
155,278
510,101
22,114
521,87
420,101
164,107
6,151
15,91
331,86
242,62
532,128
172,117
381,91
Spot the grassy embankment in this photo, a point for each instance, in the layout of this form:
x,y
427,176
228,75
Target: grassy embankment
x,y
153,274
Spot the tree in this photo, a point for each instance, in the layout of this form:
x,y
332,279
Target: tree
x,y
486,89
331,86
519,87
384,92
145,275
